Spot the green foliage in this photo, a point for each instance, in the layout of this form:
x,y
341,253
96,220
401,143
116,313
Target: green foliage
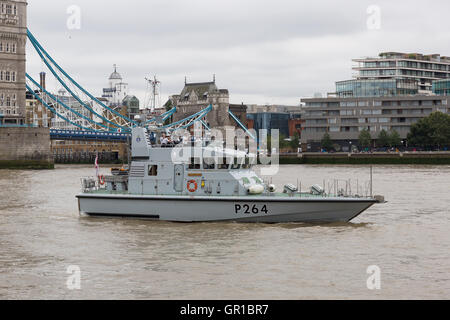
x,y
168,105
294,144
365,139
383,139
283,143
337,147
326,142
432,131
394,139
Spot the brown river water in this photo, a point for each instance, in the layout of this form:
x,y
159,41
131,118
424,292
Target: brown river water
x,y
408,238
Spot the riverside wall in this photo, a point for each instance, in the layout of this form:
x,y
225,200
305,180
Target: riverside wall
x,y
25,148
400,158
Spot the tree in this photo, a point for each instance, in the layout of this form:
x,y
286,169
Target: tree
x,y
383,139
365,139
432,131
326,142
295,142
283,143
394,139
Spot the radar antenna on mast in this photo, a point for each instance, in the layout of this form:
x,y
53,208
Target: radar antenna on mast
x,y
155,86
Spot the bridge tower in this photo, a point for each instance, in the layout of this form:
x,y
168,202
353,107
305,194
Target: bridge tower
x,y
13,37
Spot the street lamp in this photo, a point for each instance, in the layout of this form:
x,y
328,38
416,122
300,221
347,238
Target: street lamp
x,y
350,146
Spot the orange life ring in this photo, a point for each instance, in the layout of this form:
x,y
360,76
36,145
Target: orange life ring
x,y
101,180
190,182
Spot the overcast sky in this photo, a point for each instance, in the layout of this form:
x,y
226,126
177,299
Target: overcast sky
x,y
262,51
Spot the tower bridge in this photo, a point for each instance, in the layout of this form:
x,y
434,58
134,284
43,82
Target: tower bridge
x,y
95,121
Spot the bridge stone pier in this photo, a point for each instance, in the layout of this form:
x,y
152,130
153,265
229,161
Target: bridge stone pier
x,y
20,146
27,148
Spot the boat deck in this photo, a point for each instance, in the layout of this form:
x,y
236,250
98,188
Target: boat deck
x,y
265,195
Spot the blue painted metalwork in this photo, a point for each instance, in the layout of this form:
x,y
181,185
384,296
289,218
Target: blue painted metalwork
x,y
67,107
89,132
199,114
35,42
69,90
54,111
16,125
205,125
56,134
164,116
242,125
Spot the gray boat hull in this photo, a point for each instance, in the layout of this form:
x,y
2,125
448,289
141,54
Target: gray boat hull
x,y
210,209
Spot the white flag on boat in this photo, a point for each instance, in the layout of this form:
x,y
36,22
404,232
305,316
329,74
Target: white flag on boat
x,y
96,165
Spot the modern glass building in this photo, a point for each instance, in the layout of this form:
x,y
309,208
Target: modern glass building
x,y
424,69
390,92
441,87
376,88
270,121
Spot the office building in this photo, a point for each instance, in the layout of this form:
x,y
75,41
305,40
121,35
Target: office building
x,y
415,67
390,92
441,87
344,118
287,119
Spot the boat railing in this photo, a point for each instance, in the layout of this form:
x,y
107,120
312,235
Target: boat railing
x,y
331,188
90,184
347,188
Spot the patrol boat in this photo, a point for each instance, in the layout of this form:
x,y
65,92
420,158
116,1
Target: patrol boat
x,y
161,185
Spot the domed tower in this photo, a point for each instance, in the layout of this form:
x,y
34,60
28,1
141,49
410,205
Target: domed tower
x,y
115,78
117,90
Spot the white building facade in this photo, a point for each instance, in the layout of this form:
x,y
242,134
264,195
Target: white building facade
x,y
117,90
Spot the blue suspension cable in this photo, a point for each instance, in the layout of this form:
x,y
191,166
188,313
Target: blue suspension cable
x,y
201,113
67,107
164,116
54,111
242,125
34,40
70,91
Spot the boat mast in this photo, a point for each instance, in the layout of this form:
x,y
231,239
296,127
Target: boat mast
x,y
155,85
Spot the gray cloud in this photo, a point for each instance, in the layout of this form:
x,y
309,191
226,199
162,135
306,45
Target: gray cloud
x,y
262,51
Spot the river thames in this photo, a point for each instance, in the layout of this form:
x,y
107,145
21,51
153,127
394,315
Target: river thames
x,y
408,239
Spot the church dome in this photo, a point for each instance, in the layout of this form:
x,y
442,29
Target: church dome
x,y
115,75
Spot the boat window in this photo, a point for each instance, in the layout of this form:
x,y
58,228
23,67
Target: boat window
x,y
224,164
195,164
208,164
236,164
245,180
247,164
152,171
